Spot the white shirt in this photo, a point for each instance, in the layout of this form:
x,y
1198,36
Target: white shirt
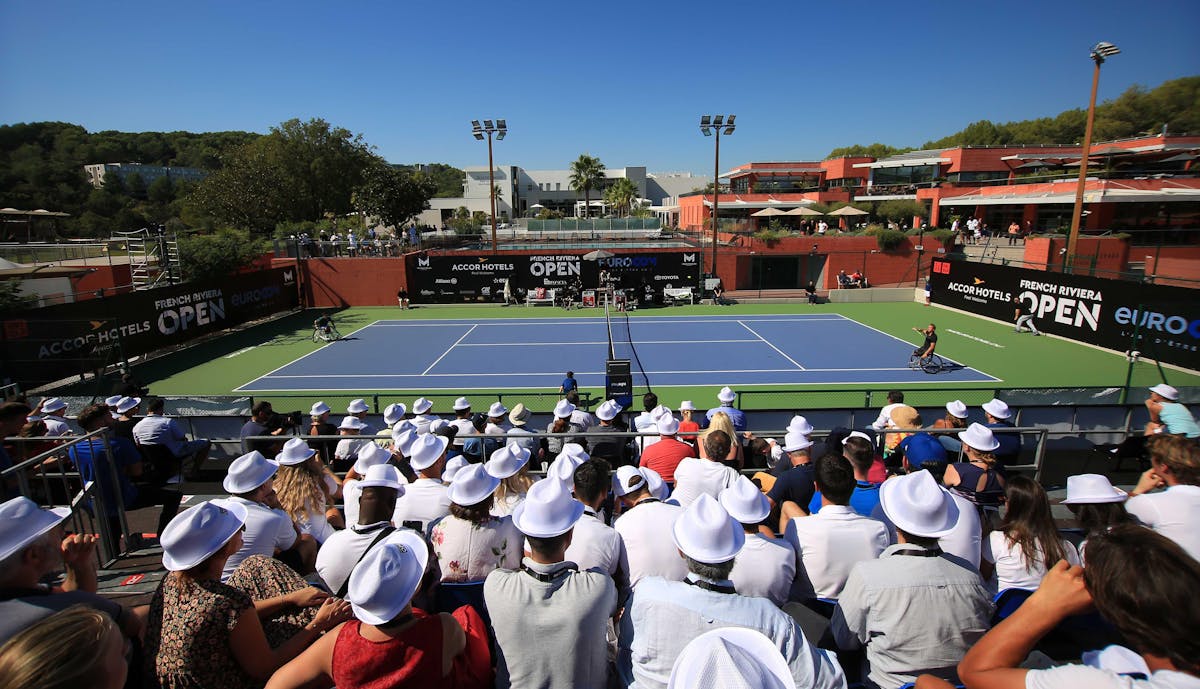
x,y
1071,676
56,425
695,477
645,530
424,500
422,421
583,419
596,545
267,530
964,544
1013,571
341,552
828,544
764,568
885,416
348,447
496,429
1173,512
644,423
503,507
350,495
464,427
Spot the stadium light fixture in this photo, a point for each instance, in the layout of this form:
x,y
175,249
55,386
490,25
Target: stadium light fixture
x,y
1100,52
500,130
709,124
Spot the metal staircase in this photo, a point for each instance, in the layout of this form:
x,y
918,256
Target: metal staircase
x,y
153,258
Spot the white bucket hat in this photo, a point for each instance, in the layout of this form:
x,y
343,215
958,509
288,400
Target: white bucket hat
x,y
22,522
519,415
352,423
357,406
403,441
472,485
706,533
394,413
425,451
608,410
505,462
113,401
1162,389
563,468
795,441
687,405
745,502
563,409
195,534
800,424
370,455
574,450
437,425
979,437
957,409
248,472
547,511
319,408
655,483
383,476
667,425
659,412
497,410
454,465
916,504
997,408
295,451
628,479
726,395
461,404
731,658
128,404
1085,489
53,404
383,583
421,405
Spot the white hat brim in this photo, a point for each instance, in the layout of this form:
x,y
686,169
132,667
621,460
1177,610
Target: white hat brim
x,y
895,513
563,525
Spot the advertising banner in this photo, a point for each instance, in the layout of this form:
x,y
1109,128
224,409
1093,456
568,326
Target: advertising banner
x,y
472,278
1159,321
54,342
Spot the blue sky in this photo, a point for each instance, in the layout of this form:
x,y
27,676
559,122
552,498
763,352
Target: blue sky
x,y
625,81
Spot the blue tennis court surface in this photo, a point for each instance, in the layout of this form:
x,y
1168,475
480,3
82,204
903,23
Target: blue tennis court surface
x,y
674,351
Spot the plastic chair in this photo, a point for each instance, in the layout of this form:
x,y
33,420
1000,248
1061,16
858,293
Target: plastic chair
x,y
1007,602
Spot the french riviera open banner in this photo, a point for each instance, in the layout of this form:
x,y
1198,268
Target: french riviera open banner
x,y
1161,322
55,342
481,277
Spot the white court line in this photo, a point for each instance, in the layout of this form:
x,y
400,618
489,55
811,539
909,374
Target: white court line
x,y
299,358
555,373
243,350
824,384
764,341
574,343
504,322
443,356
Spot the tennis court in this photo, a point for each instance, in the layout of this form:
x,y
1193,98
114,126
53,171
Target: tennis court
x,y
525,353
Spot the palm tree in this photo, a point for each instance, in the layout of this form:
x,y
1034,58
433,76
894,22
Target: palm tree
x,y
586,174
622,195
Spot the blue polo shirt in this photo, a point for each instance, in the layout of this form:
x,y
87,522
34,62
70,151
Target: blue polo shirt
x,y
569,384
736,417
1010,443
863,500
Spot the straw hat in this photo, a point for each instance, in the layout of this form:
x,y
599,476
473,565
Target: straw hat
x,y
905,416
196,534
547,511
519,415
916,504
383,583
248,472
22,522
706,533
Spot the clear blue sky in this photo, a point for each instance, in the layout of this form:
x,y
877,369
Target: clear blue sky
x,y
625,81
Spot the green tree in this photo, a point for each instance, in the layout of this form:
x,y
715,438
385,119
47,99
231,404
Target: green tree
x,y
875,150
586,174
901,211
621,195
218,255
392,195
161,191
11,298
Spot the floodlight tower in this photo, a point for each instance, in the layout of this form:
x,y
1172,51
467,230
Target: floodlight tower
x,y
500,129
720,124
1100,52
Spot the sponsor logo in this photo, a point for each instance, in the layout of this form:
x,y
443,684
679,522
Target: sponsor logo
x,y
288,277
423,262
427,293
979,294
564,267
630,262
1157,322
689,259
478,267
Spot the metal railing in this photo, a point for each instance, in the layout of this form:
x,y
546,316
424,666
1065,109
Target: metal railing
x,y
864,398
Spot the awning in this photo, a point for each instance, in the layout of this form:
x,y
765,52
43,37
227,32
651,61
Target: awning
x,y
772,171
773,203
1093,196
910,162
1041,156
887,197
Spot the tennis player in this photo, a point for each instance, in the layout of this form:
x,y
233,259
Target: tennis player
x,y
925,350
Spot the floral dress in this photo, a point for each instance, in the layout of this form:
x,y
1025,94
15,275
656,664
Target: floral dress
x,y
187,636
467,551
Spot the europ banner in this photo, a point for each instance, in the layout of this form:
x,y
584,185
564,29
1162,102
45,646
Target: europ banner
x,y
1162,322
46,344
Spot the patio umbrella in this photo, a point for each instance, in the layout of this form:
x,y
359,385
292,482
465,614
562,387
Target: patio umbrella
x,y
803,210
597,255
847,211
768,212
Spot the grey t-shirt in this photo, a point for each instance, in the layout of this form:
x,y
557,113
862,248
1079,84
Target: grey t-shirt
x,y
21,609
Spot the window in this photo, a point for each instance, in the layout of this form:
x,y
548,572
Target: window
x,y
558,186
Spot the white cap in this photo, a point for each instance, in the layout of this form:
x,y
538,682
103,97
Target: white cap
x,y
113,401
706,533
655,483
421,405
394,413
794,441
608,410
859,434
628,479
957,409
472,485
22,522
461,404
726,395
453,465
563,409
351,423
687,405
295,451
1086,489
426,450
731,658
997,408
369,455
1162,389
248,472
128,404
383,583
319,408
745,502
53,404
194,535
979,437
916,504
505,462
548,510
800,424
497,410
357,406
383,476
667,425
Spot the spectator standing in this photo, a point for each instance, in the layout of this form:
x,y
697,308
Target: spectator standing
x,y
1173,511
157,429
766,566
469,542
550,619
645,528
